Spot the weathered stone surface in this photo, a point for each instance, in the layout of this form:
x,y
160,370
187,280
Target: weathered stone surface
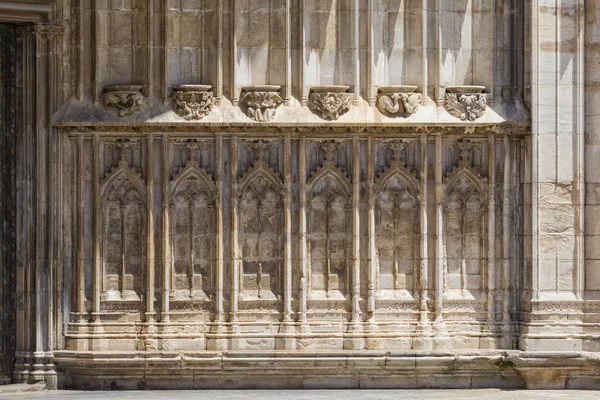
x,y
360,194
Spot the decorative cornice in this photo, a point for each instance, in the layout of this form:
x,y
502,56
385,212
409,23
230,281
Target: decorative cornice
x,y
23,11
483,130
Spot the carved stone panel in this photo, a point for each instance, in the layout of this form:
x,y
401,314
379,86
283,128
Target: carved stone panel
x,y
192,233
397,229
123,204
261,227
465,229
329,230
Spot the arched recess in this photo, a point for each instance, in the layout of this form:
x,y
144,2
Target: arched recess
x,y
192,233
397,232
261,233
123,200
465,234
329,233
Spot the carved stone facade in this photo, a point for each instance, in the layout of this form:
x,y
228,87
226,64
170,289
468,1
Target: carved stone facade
x,y
300,194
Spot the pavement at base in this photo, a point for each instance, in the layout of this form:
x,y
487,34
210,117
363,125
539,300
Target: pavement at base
x,y
367,394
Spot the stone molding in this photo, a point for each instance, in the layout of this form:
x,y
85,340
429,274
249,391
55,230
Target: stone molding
x,y
192,102
397,100
330,102
465,102
507,128
23,11
127,98
261,101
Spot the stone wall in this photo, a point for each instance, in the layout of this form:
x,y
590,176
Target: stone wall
x,y
374,190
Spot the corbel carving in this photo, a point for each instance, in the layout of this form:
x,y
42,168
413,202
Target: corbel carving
x,y
465,102
330,102
128,99
261,101
398,99
192,102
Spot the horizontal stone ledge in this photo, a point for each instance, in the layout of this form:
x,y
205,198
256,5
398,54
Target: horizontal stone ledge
x,y
285,369
505,128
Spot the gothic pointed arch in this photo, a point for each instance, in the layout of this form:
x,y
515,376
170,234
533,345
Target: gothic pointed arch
x,y
261,228
192,216
123,200
465,231
329,230
397,195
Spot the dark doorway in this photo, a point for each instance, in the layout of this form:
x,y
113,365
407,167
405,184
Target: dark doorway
x,y
7,199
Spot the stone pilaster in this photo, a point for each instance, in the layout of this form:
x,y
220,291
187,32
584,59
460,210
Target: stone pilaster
x,y
40,94
557,176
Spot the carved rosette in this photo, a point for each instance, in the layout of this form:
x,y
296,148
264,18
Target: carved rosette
x,y
330,102
128,98
192,102
398,99
261,101
465,102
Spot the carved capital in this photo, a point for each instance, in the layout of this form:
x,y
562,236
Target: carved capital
x,y
398,99
261,102
465,102
330,102
128,99
192,102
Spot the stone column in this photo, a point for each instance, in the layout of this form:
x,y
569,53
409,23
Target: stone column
x,y
302,231
80,311
557,175
235,284
166,253
41,94
490,285
441,339
97,282
216,340
504,285
424,342
150,230
287,205
372,284
219,225
302,59
353,342
590,282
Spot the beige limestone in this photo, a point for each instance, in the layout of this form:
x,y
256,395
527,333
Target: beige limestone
x,y
341,193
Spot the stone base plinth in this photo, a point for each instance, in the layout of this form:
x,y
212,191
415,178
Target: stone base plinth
x,y
340,369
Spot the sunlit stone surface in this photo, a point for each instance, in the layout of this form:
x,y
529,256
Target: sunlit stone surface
x,y
287,194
